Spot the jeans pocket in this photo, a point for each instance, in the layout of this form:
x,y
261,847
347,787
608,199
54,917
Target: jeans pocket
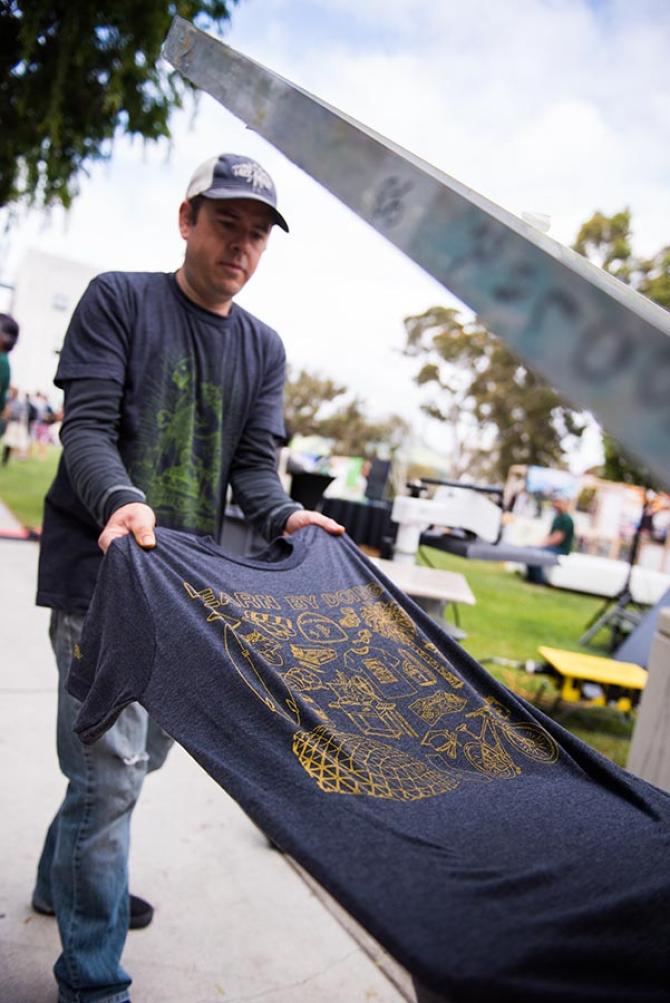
x,y
65,632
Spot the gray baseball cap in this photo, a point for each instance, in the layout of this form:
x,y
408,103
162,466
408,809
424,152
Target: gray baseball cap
x,y
230,176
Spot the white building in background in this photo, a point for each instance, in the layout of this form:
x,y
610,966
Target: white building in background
x,y
47,288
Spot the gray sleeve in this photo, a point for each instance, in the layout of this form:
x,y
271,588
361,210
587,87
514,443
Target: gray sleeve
x,y
89,435
256,485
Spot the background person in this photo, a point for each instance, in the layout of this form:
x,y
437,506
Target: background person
x,y
559,541
9,333
172,391
15,439
41,424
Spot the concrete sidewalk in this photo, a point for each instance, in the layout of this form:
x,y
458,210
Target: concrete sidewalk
x,y
234,920
8,522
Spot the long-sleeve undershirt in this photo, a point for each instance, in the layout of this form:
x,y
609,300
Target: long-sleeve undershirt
x,y
90,433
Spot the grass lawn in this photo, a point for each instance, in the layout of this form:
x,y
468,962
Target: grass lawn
x,y
24,483
510,620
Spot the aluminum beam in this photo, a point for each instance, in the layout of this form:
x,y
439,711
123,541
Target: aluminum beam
x,y
602,345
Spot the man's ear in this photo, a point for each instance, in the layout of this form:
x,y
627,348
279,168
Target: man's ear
x,y
185,223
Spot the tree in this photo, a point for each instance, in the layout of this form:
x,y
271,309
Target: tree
x,y
620,466
654,277
607,240
352,434
74,75
500,412
306,395
314,406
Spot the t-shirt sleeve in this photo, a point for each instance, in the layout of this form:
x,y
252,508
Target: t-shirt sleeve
x,y
112,663
267,414
97,341
560,524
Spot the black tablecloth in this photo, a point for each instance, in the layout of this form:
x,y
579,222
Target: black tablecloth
x,y
366,522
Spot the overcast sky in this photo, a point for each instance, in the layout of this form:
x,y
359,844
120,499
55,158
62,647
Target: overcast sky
x,y
555,106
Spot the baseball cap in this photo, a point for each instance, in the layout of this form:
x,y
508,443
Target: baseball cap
x,y
229,176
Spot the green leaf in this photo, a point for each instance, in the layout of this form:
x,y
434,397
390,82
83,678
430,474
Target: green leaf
x,y
74,76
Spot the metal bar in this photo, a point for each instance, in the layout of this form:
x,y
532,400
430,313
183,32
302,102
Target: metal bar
x,y
483,489
602,345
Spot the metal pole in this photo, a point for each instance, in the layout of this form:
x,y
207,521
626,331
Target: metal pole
x,y
605,347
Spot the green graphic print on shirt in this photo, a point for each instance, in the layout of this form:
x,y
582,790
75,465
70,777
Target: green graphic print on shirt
x,y
177,462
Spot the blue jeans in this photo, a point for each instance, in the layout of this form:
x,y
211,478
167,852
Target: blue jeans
x,y
83,871
535,572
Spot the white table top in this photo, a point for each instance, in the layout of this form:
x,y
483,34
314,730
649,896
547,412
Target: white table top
x,y
428,583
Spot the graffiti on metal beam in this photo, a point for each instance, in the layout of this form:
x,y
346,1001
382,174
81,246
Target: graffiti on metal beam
x,y
602,345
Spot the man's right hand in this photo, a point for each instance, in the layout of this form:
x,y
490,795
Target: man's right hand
x,y
135,518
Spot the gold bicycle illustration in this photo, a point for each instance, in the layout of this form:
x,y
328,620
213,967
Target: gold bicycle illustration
x,y
486,750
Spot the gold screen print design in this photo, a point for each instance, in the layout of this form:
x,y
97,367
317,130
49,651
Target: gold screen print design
x,y
379,710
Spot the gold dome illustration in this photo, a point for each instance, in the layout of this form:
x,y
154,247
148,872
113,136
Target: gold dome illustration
x,y
342,763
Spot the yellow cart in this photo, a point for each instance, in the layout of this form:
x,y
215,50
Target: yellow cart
x,y
574,668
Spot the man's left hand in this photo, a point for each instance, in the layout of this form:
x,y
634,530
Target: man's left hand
x,y
303,517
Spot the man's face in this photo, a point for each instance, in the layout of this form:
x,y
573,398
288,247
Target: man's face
x,y
223,246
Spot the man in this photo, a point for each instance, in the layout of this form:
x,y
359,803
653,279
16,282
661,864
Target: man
x,y
9,333
559,540
172,392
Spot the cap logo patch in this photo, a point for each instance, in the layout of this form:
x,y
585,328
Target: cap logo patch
x,y
253,174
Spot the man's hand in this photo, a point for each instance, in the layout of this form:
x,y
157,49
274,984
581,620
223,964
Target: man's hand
x,y
135,518
303,517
